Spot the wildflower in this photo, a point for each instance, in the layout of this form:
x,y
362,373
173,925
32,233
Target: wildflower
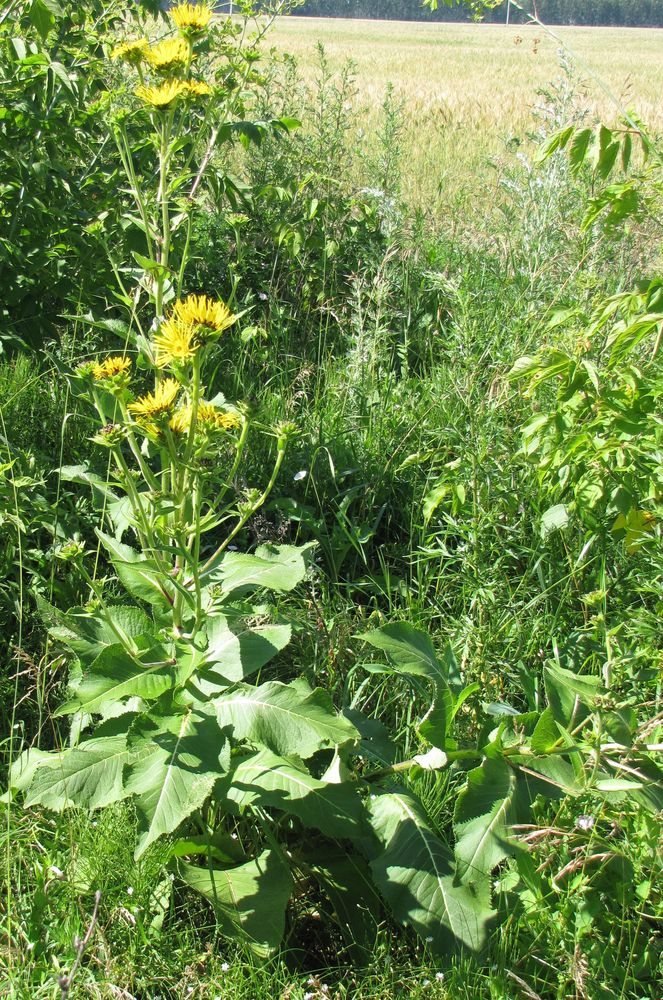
x,y
163,96
191,18
201,311
225,967
132,52
169,56
209,418
157,404
176,342
110,436
585,823
111,368
197,88
298,476
130,890
86,369
439,976
70,551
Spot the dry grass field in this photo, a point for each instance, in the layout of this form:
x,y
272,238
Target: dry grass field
x,y
468,88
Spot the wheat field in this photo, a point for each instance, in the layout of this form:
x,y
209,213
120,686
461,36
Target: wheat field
x,y
467,89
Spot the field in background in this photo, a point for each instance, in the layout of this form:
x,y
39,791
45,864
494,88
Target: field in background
x,y
470,88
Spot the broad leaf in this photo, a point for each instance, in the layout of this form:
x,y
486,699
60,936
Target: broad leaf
x,y
249,900
115,676
410,650
569,695
141,576
286,718
177,760
267,780
415,873
357,905
273,567
90,776
485,810
235,651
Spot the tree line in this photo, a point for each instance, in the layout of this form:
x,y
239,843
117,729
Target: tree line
x,y
626,13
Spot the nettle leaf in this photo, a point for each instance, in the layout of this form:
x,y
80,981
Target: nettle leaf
x,y
414,871
142,577
115,676
249,901
89,776
177,760
265,779
273,567
285,718
485,809
235,650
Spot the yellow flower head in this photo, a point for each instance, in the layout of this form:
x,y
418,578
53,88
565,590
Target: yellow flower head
x,y
191,18
198,88
111,368
200,311
163,96
176,342
132,52
157,404
169,56
210,419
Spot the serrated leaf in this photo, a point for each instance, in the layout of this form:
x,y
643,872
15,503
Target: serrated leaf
x,y
267,780
89,776
485,810
177,761
414,871
286,718
141,577
235,650
249,900
115,676
273,567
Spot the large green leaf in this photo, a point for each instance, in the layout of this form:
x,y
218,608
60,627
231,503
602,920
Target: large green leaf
x,y
286,718
115,676
90,776
273,567
176,761
235,650
414,871
410,650
569,695
249,901
267,780
87,635
141,576
485,810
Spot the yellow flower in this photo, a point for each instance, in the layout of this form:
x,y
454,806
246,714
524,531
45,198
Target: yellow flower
x,y
132,52
169,56
191,17
199,310
210,419
176,341
163,96
156,404
111,368
198,88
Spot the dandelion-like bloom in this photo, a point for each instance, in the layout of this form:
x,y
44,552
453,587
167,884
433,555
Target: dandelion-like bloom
x,y
157,404
169,56
198,88
176,342
133,52
111,368
201,311
191,17
163,96
209,419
